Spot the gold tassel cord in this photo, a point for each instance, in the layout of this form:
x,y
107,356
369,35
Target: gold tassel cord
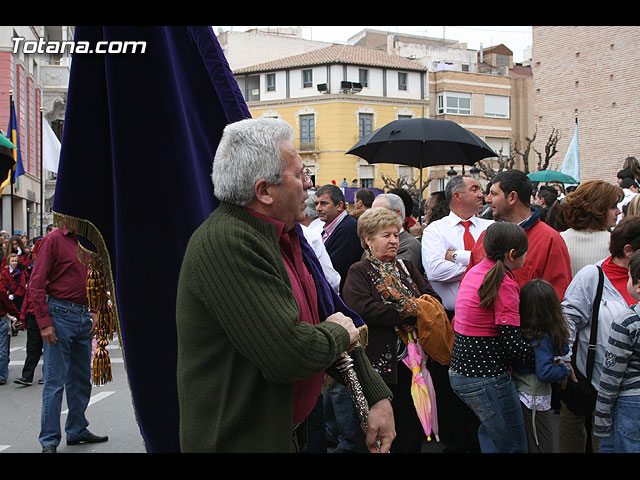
x,y
99,302
99,283
106,320
101,365
95,289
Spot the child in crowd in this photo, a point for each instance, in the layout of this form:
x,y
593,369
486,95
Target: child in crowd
x,y
488,341
618,404
8,316
13,280
542,325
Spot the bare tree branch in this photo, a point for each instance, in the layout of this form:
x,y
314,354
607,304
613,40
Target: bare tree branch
x,y
550,149
412,187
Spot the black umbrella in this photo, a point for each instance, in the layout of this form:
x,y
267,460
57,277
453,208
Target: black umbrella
x,y
422,142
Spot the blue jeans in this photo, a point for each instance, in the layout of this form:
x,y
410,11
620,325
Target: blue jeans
x,y
626,428
495,402
67,367
5,340
341,419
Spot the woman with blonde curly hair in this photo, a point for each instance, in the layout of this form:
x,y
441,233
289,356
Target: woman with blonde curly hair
x,y
384,290
590,213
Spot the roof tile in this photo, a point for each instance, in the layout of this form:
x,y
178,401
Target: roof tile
x,y
340,54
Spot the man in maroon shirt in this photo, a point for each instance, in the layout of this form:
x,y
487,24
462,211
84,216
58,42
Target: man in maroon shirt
x,y
59,298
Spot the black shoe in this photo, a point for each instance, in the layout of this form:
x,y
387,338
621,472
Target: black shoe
x,y
91,438
23,381
49,449
2,382
41,381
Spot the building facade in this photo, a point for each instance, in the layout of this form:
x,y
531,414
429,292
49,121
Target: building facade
x,y
395,76
588,72
481,103
333,96
37,82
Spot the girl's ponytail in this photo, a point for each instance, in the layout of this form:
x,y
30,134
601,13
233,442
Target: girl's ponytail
x,y
499,239
488,291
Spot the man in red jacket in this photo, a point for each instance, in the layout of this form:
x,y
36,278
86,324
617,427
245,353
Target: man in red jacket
x,y
547,257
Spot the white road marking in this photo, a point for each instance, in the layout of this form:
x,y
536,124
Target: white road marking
x,y
21,362
94,399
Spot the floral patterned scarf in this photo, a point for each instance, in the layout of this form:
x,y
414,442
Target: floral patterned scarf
x,y
389,284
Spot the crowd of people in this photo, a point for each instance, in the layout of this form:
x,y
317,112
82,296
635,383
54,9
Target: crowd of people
x,y
16,263
523,298
43,291
498,286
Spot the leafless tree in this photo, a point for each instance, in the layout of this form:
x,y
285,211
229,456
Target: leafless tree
x,y
491,167
413,186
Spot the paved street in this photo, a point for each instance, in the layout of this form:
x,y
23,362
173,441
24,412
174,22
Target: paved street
x,y
110,410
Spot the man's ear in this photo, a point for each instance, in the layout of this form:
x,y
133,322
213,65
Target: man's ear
x,y
340,206
262,190
512,197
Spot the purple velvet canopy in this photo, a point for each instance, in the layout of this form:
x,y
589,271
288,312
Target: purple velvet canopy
x,y
140,134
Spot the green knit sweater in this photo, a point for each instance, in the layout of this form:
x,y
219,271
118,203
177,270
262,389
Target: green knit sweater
x,y
240,346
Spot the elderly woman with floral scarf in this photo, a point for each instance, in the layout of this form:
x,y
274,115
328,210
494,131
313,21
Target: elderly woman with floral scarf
x,y
383,291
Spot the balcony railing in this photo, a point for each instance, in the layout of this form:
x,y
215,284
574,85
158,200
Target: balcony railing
x,y
307,144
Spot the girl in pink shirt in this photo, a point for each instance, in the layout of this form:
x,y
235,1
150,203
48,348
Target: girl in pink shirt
x,y
488,340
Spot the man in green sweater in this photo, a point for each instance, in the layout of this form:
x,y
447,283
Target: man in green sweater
x,y
258,325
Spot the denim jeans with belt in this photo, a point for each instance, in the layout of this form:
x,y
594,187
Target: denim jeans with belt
x,y
67,367
626,427
5,341
495,402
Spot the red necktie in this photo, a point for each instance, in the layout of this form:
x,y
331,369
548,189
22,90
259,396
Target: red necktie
x,y
469,242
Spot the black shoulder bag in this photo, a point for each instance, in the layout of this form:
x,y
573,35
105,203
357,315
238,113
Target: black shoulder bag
x,y
580,398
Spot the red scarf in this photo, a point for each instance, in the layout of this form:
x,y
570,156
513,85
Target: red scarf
x,y
618,276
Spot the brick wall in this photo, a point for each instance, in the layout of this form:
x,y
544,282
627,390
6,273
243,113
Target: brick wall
x,y
591,71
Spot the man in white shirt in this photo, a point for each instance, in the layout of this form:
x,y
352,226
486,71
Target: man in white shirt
x,y
312,230
630,190
444,254
311,215
446,249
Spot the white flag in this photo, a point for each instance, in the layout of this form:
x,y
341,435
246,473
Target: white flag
x,y
50,148
571,163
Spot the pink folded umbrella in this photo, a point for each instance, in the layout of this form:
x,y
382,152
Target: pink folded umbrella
x,y
421,388
432,395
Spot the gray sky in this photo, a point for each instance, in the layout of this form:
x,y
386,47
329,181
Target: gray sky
x,y
516,38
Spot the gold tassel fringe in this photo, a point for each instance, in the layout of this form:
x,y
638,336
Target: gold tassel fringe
x,y
100,285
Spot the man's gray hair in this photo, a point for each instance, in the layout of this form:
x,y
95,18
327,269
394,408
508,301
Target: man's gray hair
x,y
249,150
310,210
456,184
394,202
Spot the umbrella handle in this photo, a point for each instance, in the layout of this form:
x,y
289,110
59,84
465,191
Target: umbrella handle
x,y
344,364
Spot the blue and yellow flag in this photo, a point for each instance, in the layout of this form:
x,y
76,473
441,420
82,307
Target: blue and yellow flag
x,y
14,137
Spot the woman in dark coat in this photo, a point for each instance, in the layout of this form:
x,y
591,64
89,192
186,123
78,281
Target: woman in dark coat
x,y
382,290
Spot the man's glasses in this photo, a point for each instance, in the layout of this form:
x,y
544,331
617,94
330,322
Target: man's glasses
x,y
305,175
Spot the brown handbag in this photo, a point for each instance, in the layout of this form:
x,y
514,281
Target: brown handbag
x,y
435,334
